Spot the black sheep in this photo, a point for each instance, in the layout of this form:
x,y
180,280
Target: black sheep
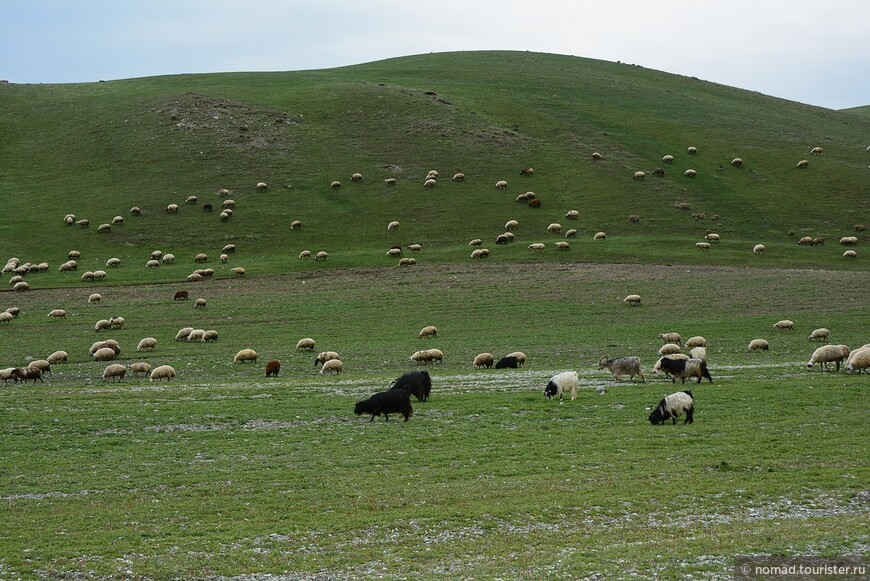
x,y
416,383
507,362
393,401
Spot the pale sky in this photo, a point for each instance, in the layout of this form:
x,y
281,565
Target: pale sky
x,y
811,51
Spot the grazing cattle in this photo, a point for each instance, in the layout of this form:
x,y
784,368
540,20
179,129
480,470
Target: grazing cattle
x,y
672,407
272,368
509,362
181,295
417,383
393,401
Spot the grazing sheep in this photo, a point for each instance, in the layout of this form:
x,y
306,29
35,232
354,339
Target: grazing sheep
x,y
392,401
572,233
849,241
668,159
669,349
225,215
527,197
690,173
527,171
200,303
519,356
357,177
507,362
820,334
596,156
537,247
511,225
559,384
600,236
554,228
850,254
8,373
407,262
423,356
245,355
390,181
307,344
736,162
672,407
620,366
638,176
104,354
696,341
103,228
806,241
632,300
698,353
759,345
572,215
562,245
116,322
181,295
659,172
483,360
828,354
113,262
394,225
416,383
260,186
147,344
428,331
712,237
42,364
459,177
57,314
858,360
183,333
83,223
435,355
136,211
414,247
14,311
100,274
325,356
296,224
783,325
332,366
21,286
228,204
58,357
803,163
817,151
335,185
172,209
702,245
140,367
475,242
671,338
430,183
102,325
110,343
24,373
162,372
115,370
501,185
305,255
196,335
759,249
479,253
321,256
684,368
692,150
209,336
394,251
273,367
152,264
200,257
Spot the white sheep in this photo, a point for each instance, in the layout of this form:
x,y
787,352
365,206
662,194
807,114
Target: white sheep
x,y
712,237
260,186
394,252
152,264
115,370
562,245
572,233
537,247
475,242
561,383
162,372
817,151
113,262
783,325
759,249
600,236
407,261
104,228
147,344
321,256
394,225
110,343
554,228
820,334
87,275
696,341
228,204
828,354
668,159
196,335
430,183
483,360
632,300
296,224
573,215
858,360
42,364
305,255
226,215
501,184
58,357
57,314
422,356
332,366
698,352
21,286
803,163
669,349
245,355
102,325
390,181
8,373
104,354
100,275
209,336
638,176
414,247
520,357
183,333
168,258
459,177
736,162
172,209
849,241
84,223
116,322
850,254
335,185
511,225
357,177
307,344
140,367
428,331
692,150
690,173
200,303
702,245
478,253
671,338
596,156
136,211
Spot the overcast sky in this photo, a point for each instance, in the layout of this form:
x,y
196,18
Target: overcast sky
x,y
811,51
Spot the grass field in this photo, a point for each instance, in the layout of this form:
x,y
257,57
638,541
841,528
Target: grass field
x,y
225,473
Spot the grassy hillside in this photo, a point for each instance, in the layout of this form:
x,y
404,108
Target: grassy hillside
x,y
97,149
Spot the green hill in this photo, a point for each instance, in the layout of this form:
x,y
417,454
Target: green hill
x,y
97,149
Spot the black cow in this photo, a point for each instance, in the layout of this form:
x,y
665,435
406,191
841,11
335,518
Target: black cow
x,y
507,362
393,401
416,383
